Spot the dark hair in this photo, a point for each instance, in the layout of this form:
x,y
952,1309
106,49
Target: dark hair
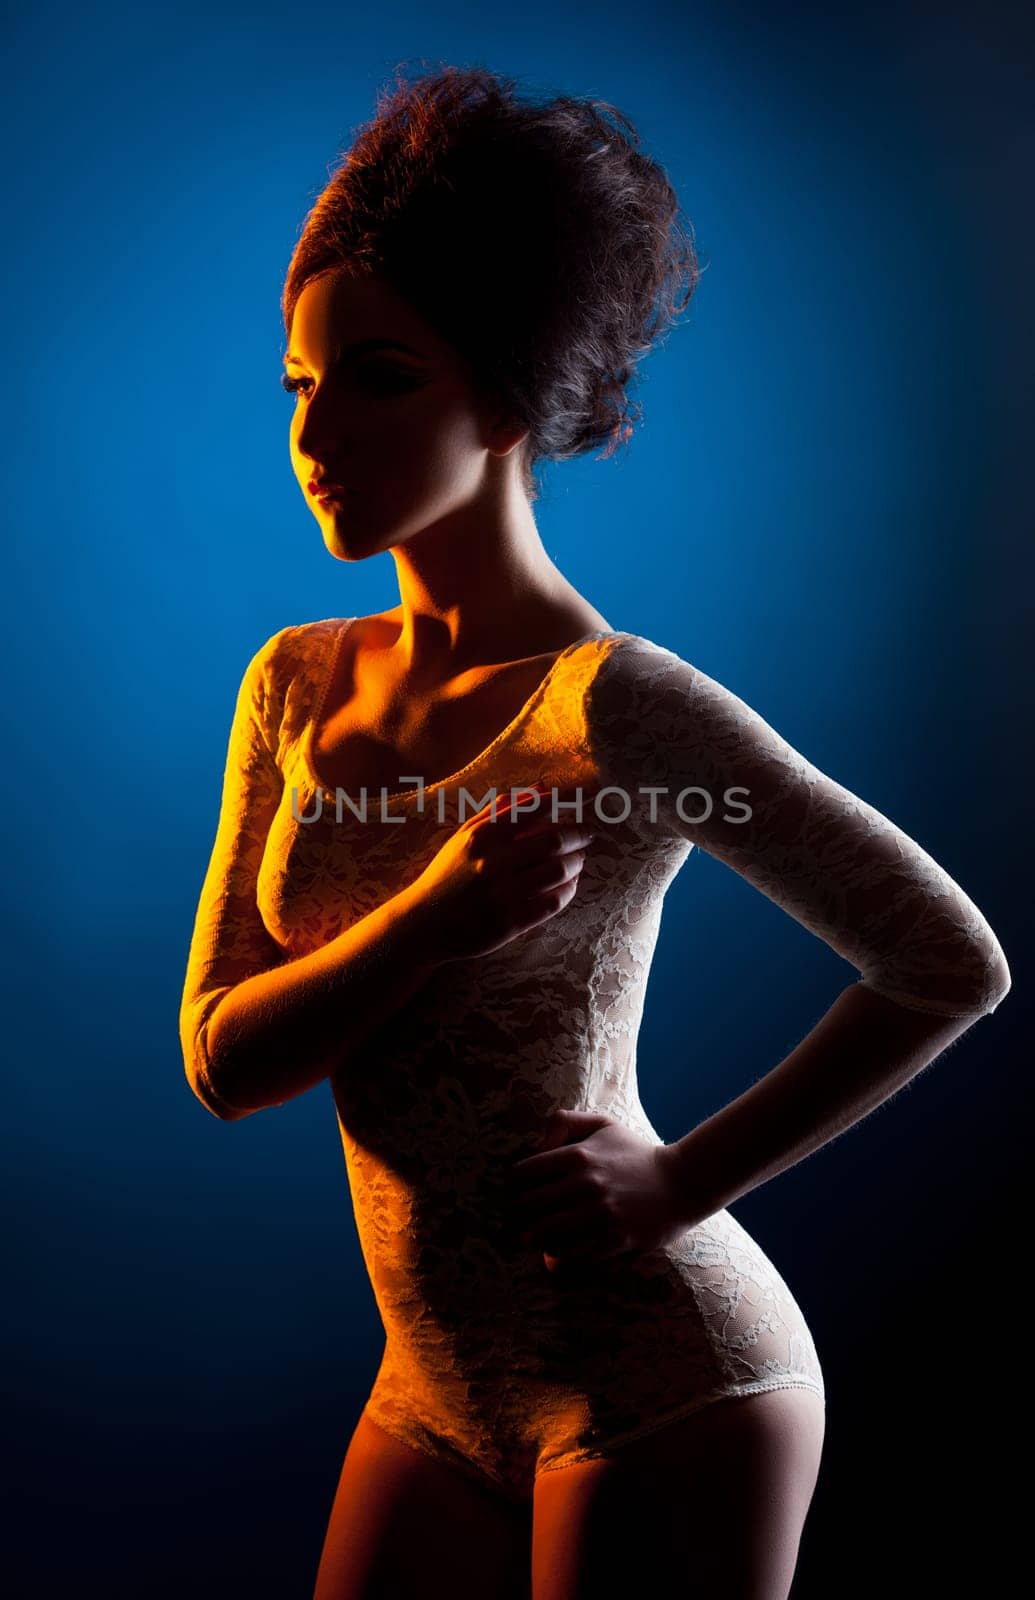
x,y
537,239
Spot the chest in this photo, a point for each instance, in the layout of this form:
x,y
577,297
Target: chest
x,y
367,736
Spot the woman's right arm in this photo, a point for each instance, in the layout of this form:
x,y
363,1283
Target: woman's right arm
x,y
257,1029
280,1032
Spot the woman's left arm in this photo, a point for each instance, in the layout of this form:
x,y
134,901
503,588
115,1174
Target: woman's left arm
x,y
858,1055
700,763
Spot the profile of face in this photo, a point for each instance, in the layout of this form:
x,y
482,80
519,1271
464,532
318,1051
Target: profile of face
x,y
387,409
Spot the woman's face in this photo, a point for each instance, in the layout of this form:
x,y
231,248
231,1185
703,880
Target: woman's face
x,y
395,424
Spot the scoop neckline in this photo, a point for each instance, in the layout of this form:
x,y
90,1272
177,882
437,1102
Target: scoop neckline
x,y
515,722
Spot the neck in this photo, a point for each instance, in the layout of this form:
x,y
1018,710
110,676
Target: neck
x,y
475,588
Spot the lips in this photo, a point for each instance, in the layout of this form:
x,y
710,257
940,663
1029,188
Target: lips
x,y
324,488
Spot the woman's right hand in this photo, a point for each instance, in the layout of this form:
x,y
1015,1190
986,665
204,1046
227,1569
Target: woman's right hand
x,y
498,876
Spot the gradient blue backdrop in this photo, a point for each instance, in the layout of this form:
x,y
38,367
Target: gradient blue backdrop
x,y
827,506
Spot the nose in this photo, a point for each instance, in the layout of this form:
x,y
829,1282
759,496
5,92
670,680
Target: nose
x,y
319,434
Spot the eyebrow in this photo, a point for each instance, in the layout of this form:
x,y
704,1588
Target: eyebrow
x,y
359,348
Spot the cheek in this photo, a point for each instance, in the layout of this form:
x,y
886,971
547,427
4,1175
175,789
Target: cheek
x,y
429,442
457,432
432,441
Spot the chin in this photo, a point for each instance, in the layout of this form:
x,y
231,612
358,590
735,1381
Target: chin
x,y
346,545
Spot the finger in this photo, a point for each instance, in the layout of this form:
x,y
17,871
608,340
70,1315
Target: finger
x,y
545,836
501,805
543,817
533,808
552,843
570,1232
530,879
512,852
548,1166
549,1197
519,796
575,1263
558,1232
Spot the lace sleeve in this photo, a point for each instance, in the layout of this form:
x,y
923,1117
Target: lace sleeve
x,y
230,942
833,862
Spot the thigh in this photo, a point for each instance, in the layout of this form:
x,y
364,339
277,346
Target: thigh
x,y
712,1504
403,1523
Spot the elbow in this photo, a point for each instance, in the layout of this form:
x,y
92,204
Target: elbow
x,y
992,979
198,1067
212,1101
973,993
998,980
199,1076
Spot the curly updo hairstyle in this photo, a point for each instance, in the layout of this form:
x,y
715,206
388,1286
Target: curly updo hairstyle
x,y
536,238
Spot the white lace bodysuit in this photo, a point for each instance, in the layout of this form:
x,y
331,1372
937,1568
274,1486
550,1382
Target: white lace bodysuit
x,y
491,1361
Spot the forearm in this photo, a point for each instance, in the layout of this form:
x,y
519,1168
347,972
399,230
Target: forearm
x,y
278,1034
858,1055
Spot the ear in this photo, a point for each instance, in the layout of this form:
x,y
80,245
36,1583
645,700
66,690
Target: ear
x,y
501,431
504,435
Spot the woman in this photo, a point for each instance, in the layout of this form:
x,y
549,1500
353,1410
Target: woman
x,y
592,1374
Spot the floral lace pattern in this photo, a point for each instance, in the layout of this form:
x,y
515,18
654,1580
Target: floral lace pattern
x,y
491,1361
833,862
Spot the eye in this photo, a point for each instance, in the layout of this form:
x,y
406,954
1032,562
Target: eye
x,y
386,379
377,376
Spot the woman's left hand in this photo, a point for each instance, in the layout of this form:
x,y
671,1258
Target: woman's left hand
x,y
597,1191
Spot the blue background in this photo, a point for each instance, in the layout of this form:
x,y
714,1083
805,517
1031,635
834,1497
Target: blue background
x,y
828,507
